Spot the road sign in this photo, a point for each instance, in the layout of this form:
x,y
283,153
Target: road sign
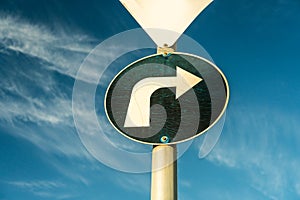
x,y
164,21
166,99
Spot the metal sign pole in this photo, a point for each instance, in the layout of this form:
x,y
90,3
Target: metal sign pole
x,y
164,162
164,173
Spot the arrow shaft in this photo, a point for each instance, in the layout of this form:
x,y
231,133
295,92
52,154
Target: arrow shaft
x,y
138,113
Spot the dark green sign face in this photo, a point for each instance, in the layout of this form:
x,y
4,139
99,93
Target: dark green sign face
x,y
166,99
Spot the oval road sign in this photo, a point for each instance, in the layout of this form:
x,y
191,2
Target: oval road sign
x,y
166,99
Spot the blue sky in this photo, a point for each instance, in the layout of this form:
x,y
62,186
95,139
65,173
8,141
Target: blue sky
x,y
42,44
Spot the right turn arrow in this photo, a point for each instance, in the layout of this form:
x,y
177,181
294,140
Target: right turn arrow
x,y
138,113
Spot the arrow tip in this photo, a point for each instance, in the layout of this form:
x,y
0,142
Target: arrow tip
x,y
185,81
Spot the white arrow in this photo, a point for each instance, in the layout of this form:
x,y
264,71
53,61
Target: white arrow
x,y
138,113
165,20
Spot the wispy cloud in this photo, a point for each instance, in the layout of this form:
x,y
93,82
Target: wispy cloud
x,y
29,90
37,185
185,183
136,183
257,143
42,188
38,67
38,41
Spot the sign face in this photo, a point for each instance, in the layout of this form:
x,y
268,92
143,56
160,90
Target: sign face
x,y
166,99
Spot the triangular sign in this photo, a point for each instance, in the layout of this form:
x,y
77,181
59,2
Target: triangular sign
x,y
165,20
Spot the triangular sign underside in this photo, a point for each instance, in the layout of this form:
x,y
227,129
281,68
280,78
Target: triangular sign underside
x,y
165,20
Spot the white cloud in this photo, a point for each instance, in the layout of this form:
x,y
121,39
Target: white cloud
x,y
136,183
37,185
43,188
185,183
65,51
258,143
32,93
297,187
54,111
35,101
58,51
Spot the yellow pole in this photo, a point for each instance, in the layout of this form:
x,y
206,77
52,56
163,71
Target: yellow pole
x,y
164,173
